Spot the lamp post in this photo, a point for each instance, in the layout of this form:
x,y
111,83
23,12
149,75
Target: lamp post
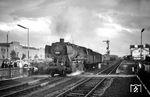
x,y
141,43
27,36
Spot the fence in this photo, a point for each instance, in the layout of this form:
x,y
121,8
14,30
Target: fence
x,y
13,72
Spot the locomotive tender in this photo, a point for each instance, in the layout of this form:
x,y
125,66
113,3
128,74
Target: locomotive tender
x,y
69,58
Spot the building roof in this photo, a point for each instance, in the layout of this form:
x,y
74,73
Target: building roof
x,y
25,47
5,44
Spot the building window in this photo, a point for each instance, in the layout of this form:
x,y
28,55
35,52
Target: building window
x,y
3,50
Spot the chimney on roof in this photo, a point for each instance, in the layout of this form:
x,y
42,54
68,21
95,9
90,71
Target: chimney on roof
x,y
61,40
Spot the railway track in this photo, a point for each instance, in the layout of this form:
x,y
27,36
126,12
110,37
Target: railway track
x,y
12,83
50,91
25,88
98,71
44,87
87,87
110,68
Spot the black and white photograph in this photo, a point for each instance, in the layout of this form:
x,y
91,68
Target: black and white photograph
x,y
74,48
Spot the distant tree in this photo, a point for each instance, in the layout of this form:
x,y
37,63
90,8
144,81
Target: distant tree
x,y
13,55
17,54
23,56
36,56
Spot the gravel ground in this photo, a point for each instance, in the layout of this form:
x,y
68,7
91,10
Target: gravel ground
x,y
102,87
121,88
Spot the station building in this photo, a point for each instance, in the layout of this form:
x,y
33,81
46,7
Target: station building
x,y
20,50
138,50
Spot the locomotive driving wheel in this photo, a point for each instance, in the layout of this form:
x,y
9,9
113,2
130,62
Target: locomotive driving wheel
x,y
52,74
63,73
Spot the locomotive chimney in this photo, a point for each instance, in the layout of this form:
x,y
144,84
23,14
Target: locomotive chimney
x,y
61,40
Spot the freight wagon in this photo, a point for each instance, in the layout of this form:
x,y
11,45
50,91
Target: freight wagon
x,y
69,58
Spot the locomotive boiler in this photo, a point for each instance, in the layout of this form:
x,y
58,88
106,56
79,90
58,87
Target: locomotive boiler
x,y
69,58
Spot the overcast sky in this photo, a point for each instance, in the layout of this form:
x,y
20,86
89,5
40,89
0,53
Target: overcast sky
x,y
83,22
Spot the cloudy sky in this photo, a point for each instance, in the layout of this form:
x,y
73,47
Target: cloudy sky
x,y
83,22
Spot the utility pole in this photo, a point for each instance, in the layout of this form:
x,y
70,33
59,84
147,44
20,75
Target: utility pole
x,y
107,48
71,38
7,44
141,47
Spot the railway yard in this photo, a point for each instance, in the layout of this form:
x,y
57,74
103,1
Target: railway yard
x,y
75,48
106,82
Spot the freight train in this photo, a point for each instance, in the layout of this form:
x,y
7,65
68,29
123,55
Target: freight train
x,y
69,58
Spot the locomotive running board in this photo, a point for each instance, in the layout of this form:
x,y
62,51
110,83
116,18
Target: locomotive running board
x,y
111,75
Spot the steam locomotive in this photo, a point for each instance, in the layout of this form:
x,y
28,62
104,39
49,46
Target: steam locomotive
x,y
69,58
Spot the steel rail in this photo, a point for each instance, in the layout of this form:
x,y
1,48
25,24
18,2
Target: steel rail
x,y
30,87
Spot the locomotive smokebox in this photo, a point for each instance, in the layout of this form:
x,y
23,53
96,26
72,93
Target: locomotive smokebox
x,y
61,40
